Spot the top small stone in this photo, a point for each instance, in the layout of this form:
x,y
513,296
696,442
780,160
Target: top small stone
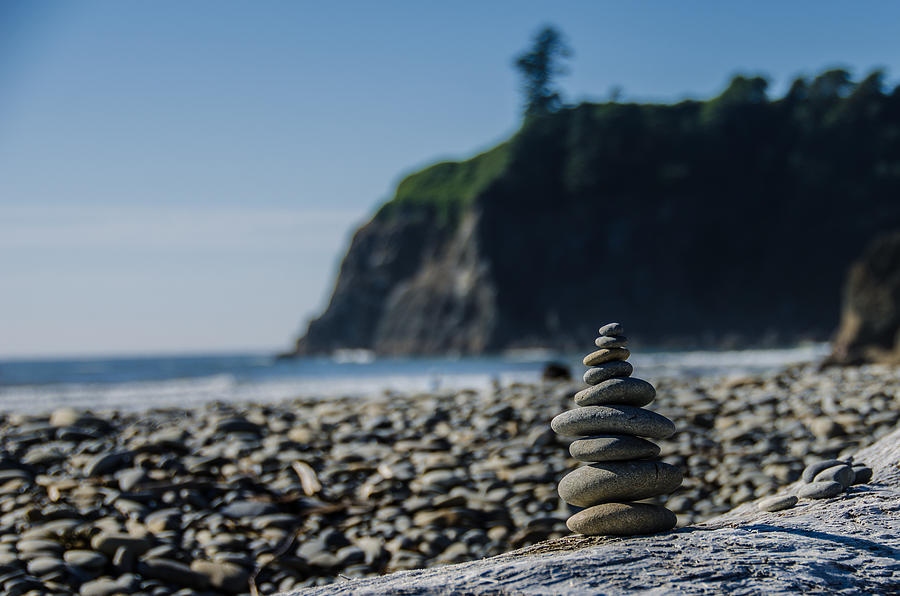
x,y
612,329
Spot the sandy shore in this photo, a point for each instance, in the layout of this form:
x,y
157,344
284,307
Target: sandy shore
x,y
230,498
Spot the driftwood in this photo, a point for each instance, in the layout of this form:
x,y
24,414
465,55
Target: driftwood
x,y
845,545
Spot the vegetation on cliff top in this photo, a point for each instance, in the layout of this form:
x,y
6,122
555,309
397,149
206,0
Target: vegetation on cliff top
x,y
449,187
823,136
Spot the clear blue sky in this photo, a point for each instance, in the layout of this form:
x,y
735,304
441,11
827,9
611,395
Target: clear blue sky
x,y
182,176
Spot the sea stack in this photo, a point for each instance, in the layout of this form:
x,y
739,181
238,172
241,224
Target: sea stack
x,y
613,430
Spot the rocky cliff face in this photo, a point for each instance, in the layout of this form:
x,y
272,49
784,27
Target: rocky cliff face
x,y
717,223
409,286
870,319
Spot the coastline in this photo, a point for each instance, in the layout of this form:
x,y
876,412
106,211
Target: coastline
x,y
304,491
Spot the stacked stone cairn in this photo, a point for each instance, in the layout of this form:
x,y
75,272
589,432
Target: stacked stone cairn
x,y
612,429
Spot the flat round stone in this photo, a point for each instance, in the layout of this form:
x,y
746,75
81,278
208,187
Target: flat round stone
x,y
814,468
608,370
777,503
590,421
606,355
861,474
612,329
622,519
618,481
610,341
628,391
819,490
841,473
612,448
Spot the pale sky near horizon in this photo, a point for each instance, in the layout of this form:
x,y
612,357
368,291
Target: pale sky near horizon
x,y
184,176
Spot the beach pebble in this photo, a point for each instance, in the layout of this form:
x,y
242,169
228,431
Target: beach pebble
x,y
622,519
608,370
820,490
173,572
162,520
38,545
841,473
608,341
223,576
108,543
244,509
618,481
104,586
862,474
606,355
130,478
45,565
777,503
107,462
86,559
589,421
814,468
237,425
628,391
612,329
612,448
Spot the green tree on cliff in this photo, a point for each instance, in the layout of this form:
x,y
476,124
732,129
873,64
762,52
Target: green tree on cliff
x,y
538,66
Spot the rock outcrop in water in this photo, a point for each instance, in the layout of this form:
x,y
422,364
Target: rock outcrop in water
x,y
727,222
870,320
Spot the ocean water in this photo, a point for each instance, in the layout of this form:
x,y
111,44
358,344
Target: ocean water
x,y
153,381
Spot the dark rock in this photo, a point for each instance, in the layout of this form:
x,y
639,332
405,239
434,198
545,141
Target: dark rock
x,y
106,463
555,371
237,425
862,474
870,315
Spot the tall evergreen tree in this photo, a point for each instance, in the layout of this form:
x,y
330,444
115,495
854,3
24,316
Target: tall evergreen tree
x,y
538,66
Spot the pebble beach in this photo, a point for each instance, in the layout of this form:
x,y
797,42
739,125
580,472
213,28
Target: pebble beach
x,y
253,498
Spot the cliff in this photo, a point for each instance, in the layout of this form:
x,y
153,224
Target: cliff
x,y
870,318
725,222
845,545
